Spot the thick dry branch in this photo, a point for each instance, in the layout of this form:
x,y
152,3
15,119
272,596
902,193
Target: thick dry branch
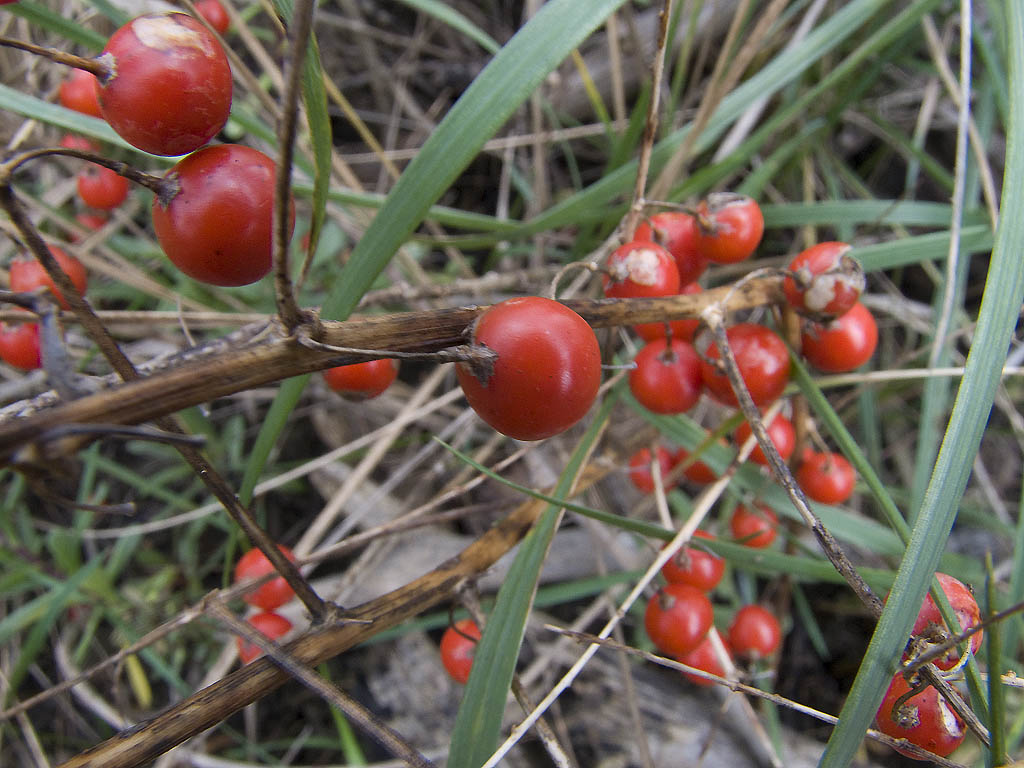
x,y
219,370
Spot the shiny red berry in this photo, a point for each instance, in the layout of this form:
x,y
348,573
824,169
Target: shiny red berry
x,y
458,647
824,280
640,468
19,346
684,330
362,381
780,431
827,478
82,144
27,274
930,625
273,625
216,220
641,269
273,593
546,374
695,566
676,232
729,227
696,471
215,15
704,658
168,84
677,618
78,92
842,345
925,719
666,378
762,359
755,632
754,526
99,187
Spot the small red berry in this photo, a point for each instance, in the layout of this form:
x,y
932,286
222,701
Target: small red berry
x,y
929,623
547,371
273,594
640,468
27,274
458,647
754,632
827,478
362,381
676,232
666,378
704,658
781,433
82,144
99,187
677,618
925,719
78,92
825,280
696,472
168,84
273,625
641,269
762,359
729,227
754,526
684,330
19,346
842,345
216,222
215,15
696,567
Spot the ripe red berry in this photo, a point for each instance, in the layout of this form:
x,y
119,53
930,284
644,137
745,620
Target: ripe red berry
x,y
274,593
216,222
168,84
82,144
925,719
641,269
273,625
547,371
640,468
729,227
827,478
27,274
763,361
696,567
929,623
676,232
666,378
825,280
458,647
78,92
781,433
754,632
215,15
704,658
696,472
362,381
684,330
19,346
99,187
677,618
91,221
754,526
846,343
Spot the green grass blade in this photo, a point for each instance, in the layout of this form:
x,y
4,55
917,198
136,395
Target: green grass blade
x,y
1004,291
42,17
448,15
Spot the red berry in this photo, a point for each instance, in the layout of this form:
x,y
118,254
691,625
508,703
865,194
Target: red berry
x,y
215,15
677,618
168,87
696,567
275,592
100,187
641,269
696,472
781,433
825,280
547,371
925,719
729,227
704,658
929,623
846,343
762,359
754,527
827,478
19,346
78,92
216,224
754,632
362,381
273,625
82,144
27,274
676,232
458,647
666,378
640,468
684,330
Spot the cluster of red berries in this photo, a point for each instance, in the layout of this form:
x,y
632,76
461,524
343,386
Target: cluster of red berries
x,y
267,598
925,718
679,616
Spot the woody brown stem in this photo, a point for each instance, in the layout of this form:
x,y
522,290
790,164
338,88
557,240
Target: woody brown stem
x,y
94,66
